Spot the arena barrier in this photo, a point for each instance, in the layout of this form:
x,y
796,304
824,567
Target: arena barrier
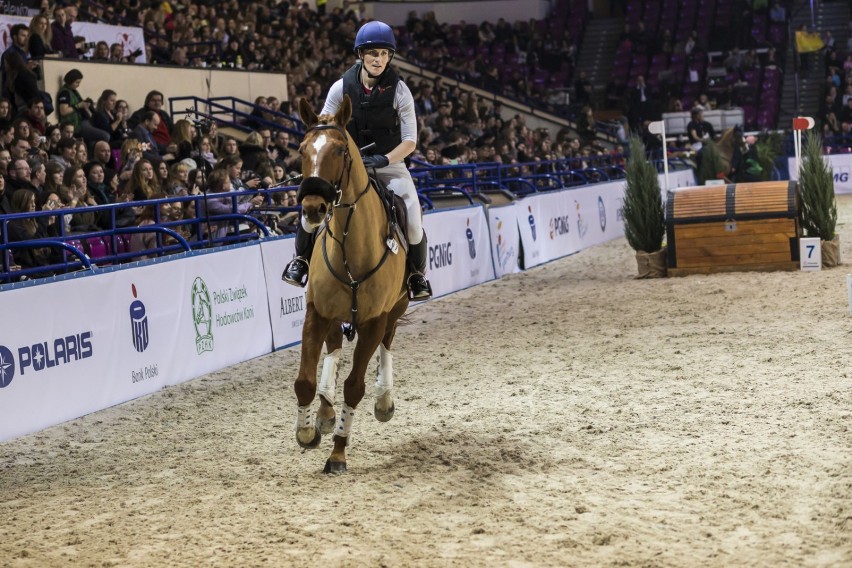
x,y
841,165
90,340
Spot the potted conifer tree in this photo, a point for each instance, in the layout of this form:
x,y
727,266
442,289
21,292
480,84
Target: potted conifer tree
x,y
644,216
818,205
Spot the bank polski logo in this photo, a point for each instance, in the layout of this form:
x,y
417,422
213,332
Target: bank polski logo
x,y
531,219
202,316
138,322
602,213
471,244
7,367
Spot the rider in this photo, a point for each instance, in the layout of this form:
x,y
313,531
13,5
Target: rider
x,y
382,116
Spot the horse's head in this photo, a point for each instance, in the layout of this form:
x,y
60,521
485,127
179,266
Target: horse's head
x,y
326,160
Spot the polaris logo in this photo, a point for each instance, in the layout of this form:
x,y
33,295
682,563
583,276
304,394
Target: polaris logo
x,y
45,355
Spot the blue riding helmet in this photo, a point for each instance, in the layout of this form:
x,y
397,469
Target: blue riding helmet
x,y
374,35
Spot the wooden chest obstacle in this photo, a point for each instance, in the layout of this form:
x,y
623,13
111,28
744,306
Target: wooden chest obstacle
x,y
725,228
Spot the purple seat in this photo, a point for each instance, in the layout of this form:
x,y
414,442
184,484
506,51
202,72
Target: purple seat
x,y
97,247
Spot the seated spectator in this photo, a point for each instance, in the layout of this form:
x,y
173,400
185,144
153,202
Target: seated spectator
x,y
36,116
183,140
148,216
52,177
38,176
162,132
102,154
101,51
254,154
103,193
75,110
27,229
230,147
143,182
178,181
144,133
40,38
214,203
110,119
19,176
75,194
66,155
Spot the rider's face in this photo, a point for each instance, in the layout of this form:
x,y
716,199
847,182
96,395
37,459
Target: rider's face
x,y
375,60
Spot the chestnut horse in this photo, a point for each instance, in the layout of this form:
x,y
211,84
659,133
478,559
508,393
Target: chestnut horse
x,y
357,276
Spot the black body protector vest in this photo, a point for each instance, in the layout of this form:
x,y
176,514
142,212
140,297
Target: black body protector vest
x,y
373,117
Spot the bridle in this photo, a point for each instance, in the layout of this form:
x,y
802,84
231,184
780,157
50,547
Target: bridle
x,y
348,279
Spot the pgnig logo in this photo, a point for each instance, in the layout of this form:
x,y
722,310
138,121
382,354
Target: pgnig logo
x,y
44,355
138,323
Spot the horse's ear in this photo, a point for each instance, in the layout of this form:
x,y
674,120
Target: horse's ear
x,y
344,112
306,112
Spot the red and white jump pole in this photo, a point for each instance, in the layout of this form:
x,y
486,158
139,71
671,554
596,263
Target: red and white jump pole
x,y
800,123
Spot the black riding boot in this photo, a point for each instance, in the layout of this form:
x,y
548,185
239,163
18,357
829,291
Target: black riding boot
x,y
296,271
418,287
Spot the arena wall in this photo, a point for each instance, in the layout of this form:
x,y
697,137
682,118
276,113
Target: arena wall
x,y
132,329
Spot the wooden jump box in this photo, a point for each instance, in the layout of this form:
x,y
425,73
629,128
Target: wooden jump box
x,y
738,227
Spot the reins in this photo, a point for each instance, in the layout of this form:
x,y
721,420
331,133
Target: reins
x,y
348,279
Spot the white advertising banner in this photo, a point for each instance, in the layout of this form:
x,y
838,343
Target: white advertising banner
x,y
286,302
222,312
459,249
130,38
81,345
505,240
841,165
548,226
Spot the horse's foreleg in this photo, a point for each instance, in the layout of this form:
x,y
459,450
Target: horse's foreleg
x,y
369,336
313,332
384,407
327,389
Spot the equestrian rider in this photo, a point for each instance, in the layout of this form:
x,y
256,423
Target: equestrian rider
x,y
383,116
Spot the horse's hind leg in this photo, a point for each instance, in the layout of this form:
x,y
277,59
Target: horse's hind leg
x,y
328,380
315,329
369,336
384,407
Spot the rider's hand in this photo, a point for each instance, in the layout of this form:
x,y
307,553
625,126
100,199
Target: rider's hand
x,y
375,161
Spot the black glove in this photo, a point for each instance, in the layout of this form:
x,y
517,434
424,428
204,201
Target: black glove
x,y
375,161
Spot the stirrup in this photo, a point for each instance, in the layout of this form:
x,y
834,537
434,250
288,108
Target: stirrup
x,y
296,272
419,287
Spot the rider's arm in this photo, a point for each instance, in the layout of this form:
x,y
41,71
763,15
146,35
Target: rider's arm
x,y
407,122
334,98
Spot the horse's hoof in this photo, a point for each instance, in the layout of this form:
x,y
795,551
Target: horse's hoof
x,y
312,443
383,415
326,425
334,467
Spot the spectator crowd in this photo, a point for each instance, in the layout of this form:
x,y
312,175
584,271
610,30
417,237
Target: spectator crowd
x,y
65,150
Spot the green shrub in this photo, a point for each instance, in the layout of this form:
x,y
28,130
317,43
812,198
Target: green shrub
x,y
816,191
644,216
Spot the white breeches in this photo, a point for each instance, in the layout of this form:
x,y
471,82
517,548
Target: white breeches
x,y
398,179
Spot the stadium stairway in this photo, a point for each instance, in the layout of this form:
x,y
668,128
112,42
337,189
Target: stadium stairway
x,y
597,53
829,16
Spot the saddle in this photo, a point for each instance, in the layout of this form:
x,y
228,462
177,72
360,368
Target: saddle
x,y
396,211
